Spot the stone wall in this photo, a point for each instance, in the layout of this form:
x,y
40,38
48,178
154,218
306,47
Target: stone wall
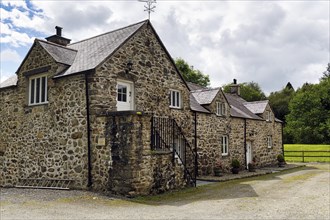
x,y
210,129
256,132
44,141
153,75
135,169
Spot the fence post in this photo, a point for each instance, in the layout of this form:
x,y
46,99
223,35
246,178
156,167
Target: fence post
x,y
303,156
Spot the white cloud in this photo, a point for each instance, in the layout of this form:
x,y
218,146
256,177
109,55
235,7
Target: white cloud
x,y
9,55
269,42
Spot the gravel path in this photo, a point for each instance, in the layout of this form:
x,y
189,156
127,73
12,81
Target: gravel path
x,y
302,194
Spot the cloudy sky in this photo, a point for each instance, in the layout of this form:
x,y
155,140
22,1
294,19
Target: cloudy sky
x,y
268,42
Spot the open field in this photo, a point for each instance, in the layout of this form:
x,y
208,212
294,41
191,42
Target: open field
x,y
309,151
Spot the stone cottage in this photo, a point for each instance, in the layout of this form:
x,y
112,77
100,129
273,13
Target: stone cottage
x,y
113,113
234,129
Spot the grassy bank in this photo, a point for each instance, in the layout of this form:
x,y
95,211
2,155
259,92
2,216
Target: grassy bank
x,y
310,153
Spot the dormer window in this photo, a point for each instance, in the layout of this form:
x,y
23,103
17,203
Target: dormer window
x,y
268,116
38,90
221,109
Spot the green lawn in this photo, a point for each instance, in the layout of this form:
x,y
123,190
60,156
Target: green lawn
x,y
307,147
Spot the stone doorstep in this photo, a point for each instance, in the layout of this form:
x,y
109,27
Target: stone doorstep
x,y
245,174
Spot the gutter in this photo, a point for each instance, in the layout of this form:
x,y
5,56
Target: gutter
x,y
89,161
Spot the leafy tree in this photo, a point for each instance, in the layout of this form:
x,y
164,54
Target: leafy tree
x,y
279,101
250,91
309,119
190,74
326,74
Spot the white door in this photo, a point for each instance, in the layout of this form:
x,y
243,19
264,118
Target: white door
x,y
248,152
124,96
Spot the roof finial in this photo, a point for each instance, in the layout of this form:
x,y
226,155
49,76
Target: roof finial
x,y
149,8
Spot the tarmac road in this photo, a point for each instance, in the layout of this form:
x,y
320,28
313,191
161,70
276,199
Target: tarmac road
x,y
303,193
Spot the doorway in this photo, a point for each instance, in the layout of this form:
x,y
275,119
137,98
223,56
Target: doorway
x,y
125,96
248,153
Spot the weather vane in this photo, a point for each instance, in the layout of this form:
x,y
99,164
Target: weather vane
x,y
149,7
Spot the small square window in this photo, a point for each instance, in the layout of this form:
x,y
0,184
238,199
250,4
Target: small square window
x,y
175,99
38,90
224,145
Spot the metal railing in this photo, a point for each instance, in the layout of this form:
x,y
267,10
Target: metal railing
x,y
166,135
306,154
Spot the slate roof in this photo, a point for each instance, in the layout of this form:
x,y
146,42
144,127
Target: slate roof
x,y
257,107
194,86
205,96
60,54
195,106
238,108
93,51
11,81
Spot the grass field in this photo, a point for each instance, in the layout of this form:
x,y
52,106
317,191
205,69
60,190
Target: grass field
x,y
308,156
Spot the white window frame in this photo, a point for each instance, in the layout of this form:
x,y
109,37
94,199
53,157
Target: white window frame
x,y
268,116
269,141
221,109
224,145
40,90
175,102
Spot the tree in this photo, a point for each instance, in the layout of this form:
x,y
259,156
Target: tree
x,y
279,101
250,91
190,74
309,119
326,74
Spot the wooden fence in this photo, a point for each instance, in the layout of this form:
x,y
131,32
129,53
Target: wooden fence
x,y
308,154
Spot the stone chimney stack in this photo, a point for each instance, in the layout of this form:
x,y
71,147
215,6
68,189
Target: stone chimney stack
x,y
57,38
58,31
235,88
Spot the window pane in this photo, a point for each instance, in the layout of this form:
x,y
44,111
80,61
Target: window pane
x,y
43,89
173,98
177,99
32,91
38,90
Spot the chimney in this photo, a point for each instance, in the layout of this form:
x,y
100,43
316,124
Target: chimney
x,y
58,31
235,88
58,39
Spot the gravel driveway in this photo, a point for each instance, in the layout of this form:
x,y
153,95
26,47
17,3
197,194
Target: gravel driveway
x,y
298,194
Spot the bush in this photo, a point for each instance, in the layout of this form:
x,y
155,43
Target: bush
x,y
280,158
235,163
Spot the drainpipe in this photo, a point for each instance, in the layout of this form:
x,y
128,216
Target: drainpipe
x,y
89,183
245,150
282,140
196,160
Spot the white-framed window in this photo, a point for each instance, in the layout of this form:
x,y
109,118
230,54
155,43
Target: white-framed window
x,y
38,90
268,116
269,141
175,99
221,109
224,145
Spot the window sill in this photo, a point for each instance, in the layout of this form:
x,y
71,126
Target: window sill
x,y
32,105
225,155
173,107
